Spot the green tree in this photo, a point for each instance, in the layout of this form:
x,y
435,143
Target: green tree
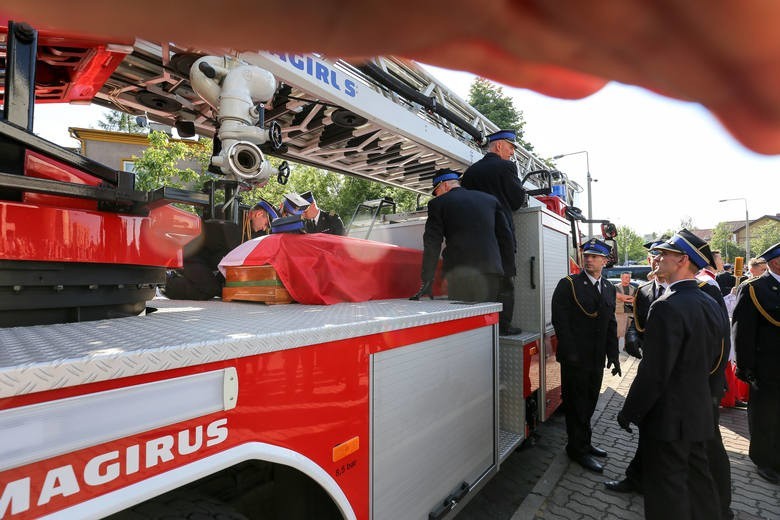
x,y
115,121
490,100
764,236
169,162
630,245
723,241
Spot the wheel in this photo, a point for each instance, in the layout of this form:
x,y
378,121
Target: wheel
x,y
179,506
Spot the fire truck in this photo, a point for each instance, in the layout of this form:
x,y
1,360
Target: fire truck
x,y
370,410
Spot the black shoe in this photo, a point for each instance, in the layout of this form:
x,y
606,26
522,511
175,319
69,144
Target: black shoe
x,y
740,404
588,462
509,331
597,452
621,486
768,474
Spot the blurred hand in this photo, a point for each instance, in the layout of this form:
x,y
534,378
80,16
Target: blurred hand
x,y
623,422
616,370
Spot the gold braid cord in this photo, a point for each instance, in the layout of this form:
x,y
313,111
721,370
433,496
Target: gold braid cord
x,y
761,310
594,314
720,358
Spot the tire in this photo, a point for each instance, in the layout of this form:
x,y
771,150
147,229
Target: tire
x,y
180,506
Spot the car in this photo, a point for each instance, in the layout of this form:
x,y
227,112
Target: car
x,y
638,273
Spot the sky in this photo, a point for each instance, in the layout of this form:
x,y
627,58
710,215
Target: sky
x,y
654,161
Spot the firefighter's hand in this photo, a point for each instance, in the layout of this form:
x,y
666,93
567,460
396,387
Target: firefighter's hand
x,y
616,362
624,422
747,375
425,289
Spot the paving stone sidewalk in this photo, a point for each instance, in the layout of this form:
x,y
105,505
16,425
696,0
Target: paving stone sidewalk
x,y
567,491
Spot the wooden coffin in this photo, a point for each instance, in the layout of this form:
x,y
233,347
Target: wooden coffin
x,y
255,284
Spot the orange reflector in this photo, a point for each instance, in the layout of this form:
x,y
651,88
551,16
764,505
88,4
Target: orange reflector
x,y
345,448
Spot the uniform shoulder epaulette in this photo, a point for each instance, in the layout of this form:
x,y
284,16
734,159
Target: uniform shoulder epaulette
x,y
644,284
749,281
702,284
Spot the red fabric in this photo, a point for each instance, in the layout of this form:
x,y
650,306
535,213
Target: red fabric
x,y
326,269
737,390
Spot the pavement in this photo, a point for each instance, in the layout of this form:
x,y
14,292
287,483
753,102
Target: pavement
x,y
538,481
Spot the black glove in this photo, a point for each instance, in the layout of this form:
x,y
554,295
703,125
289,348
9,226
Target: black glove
x,y
624,422
616,370
633,343
747,375
425,289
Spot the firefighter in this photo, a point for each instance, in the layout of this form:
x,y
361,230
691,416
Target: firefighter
x,y
260,217
671,397
478,244
583,314
757,344
496,174
318,221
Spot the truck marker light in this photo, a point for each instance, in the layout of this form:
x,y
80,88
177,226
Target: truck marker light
x,y
346,448
44,430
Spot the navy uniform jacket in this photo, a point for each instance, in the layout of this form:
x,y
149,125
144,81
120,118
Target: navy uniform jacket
x,y
585,325
328,223
670,397
498,177
476,233
643,299
757,337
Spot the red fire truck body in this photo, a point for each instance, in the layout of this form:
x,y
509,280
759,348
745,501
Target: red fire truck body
x,y
374,410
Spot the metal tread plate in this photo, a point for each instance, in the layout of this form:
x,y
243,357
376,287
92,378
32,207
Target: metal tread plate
x,y
507,443
187,333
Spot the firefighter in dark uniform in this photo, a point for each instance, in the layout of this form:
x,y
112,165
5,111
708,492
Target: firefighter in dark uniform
x,y
478,244
716,453
318,221
645,295
260,217
497,175
671,398
583,314
756,326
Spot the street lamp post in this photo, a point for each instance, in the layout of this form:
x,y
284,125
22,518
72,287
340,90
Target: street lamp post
x,y
590,180
747,228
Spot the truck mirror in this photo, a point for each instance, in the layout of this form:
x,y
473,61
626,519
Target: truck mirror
x,y
614,255
608,230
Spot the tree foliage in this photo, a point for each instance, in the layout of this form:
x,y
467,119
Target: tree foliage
x,y
630,245
169,162
115,121
723,240
764,236
184,164
490,100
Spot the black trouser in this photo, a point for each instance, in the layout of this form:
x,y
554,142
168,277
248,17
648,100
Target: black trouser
x,y
764,424
718,460
580,389
506,295
677,483
472,286
720,467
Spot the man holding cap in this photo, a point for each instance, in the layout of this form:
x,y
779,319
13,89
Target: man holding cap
x,y
478,248
671,396
583,314
497,175
318,221
756,326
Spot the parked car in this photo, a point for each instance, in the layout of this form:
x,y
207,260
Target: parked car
x,y
638,273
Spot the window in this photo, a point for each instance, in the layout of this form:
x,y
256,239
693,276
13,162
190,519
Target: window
x,y
128,165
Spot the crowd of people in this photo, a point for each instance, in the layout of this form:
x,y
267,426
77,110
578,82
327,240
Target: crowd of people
x,y
679,324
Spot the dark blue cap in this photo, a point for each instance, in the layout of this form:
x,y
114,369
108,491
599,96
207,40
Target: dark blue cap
x,y
771,253
444,175
308,197
594,246
687,243
267,206
507,135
